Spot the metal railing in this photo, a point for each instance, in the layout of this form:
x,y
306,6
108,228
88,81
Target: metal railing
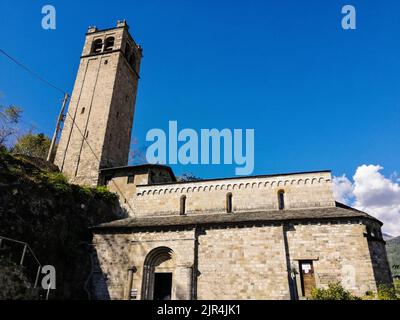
x,y
25,248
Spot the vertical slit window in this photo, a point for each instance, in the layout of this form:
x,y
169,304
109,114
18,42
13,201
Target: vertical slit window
x,y
229,203
183,205
281,199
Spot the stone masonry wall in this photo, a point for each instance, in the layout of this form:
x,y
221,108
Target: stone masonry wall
x,y
242,263
339,252
249,194
246,262
98,124
116,253
118,182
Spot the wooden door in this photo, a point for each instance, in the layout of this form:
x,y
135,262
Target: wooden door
x,y
307,277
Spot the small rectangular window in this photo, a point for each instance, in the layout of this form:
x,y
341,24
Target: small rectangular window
x,y
131,179
83,110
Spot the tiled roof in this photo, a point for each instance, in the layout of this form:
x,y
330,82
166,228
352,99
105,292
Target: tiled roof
x,y
333,213
137,168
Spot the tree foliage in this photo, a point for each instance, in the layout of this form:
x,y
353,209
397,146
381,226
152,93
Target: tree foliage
x,y
187,177
32,145
386,292
9,118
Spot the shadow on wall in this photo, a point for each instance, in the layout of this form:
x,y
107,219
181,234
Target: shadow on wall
x,y
123,213
380,262
293,290
97,282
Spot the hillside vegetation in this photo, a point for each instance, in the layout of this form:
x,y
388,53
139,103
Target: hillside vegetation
x,y
38,206
393,251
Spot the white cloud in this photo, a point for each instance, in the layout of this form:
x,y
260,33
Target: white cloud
x,y
372,193
343,189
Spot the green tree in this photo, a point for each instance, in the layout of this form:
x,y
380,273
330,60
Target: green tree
x,y
187,177
9,118
32,145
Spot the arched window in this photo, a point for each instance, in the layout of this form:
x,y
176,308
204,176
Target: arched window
x,y
281,199
229,203
109,44
183,205
97,46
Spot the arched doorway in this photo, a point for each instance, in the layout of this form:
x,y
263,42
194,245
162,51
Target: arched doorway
x,y
158,272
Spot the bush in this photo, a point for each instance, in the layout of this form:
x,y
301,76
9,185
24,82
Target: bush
x,y
56,180
335,291
397,287
104,193
386,292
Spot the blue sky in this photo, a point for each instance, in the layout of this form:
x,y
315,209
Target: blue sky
x,y
317,96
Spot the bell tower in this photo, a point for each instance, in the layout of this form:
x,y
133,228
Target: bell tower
x,y
98,124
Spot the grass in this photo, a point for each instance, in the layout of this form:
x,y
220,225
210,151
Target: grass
x,y
18,169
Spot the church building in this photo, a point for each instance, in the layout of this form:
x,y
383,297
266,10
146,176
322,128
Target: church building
x,y
274,236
